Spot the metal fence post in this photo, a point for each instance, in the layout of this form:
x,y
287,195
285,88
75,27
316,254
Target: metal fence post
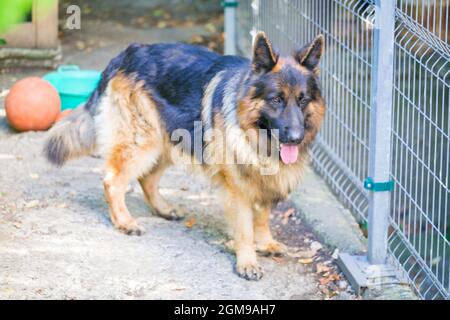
x,y
230,26
374,269
380,129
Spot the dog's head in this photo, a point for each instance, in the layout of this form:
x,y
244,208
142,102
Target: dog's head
x,y
285,91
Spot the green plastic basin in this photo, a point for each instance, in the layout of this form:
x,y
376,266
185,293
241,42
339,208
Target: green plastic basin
x,y
73,85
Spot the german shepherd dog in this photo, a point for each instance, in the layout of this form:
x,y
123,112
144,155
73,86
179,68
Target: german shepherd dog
x,y
148,93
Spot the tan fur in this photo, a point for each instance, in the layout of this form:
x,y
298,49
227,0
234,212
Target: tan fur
x,y
265,244
239,214
248,113
279,65
136,145
149,183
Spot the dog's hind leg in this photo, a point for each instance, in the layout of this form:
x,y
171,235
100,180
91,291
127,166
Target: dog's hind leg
x,y
265,244
130,136
149,183
124,164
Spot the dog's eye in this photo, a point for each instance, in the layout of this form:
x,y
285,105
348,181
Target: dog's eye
x,y
303,102
277,100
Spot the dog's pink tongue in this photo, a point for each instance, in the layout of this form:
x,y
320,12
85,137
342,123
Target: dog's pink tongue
x,y
289,153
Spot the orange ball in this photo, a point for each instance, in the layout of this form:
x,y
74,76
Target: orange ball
x,y
63,114
32,104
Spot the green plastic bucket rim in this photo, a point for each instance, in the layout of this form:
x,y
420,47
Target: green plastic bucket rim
x,y
68,67
71,67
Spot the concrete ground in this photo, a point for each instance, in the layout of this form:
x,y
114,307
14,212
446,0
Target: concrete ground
x,y
56,239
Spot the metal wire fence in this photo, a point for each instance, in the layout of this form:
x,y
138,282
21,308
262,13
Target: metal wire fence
x,y
419,221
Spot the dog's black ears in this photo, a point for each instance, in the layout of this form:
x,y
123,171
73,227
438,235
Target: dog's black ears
x,y
309,56
264,57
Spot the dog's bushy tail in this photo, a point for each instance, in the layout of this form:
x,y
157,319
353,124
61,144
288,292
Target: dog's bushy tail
x,y
71,138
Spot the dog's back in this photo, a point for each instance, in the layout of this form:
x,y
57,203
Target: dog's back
x,y
176,74
157,99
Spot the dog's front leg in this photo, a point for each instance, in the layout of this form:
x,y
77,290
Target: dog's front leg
x,y
265,243
240,217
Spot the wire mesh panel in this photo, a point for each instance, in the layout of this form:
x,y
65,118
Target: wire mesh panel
x,y
421,145
246,25
420,204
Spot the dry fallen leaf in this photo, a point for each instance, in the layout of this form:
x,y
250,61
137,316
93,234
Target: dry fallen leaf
x,y
305,254
179,289
305,261
8,291
162,25
210,27
325,291
196,39
335,277
32,204
322,268
190,223
80,45
287,214
61,205
329,278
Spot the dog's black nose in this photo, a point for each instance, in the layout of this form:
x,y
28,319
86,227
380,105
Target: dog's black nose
x,y
295,136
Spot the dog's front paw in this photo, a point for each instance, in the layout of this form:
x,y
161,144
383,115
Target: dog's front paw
x,y
131,229
273,248
250,271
